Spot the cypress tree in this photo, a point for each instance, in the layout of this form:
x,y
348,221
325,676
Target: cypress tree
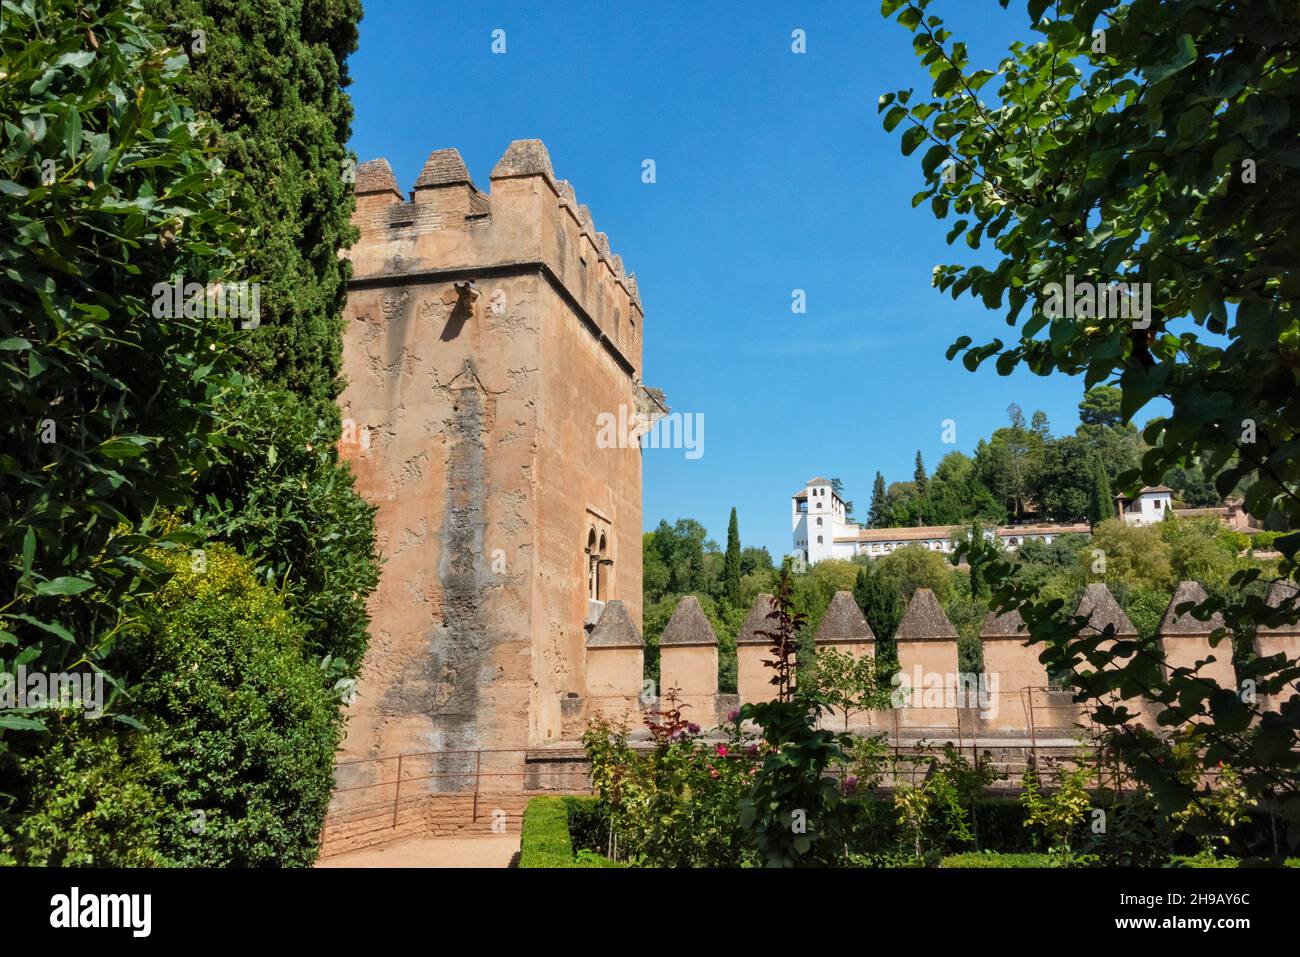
x,y
731,563
1100,499
881,605
272,75
879,514
919,475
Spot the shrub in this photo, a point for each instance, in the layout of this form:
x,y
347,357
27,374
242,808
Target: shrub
x,y
91,799
679,805
244,728
282,497
545,840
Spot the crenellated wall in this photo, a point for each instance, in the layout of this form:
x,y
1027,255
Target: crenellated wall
x,y
1013,697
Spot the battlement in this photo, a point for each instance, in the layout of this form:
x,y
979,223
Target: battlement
x,y
528,221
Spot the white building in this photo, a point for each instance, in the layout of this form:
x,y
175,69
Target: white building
x,y
1152,505
818,519
821,529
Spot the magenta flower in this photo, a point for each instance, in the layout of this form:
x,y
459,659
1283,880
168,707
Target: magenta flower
x,y
722,750
692,727
733,715
850,783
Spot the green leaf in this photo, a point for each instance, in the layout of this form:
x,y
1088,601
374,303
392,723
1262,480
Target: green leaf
x,y
64,585
16,722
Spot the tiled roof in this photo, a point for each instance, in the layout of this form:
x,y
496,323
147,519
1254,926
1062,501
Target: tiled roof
x,y
843,622
615,629
1101,609
1009,625
688,626
1174,624
924,620
756,621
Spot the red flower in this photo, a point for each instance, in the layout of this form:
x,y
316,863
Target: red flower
x,y
722,750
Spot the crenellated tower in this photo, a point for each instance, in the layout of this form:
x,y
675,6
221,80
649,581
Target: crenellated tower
x,y
486,331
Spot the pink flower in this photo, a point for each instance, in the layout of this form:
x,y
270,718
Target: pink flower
x,y
733,715
722,750
752,750
850,783
712,773
692,727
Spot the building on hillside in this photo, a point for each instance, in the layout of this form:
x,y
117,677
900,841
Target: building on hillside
x,y
874,542
1152,504
485,333
821,529
819,517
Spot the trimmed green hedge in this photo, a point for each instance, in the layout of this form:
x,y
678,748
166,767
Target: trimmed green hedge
x,y
545,841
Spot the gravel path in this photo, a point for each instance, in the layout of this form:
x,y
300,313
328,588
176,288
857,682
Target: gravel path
x,y
491,850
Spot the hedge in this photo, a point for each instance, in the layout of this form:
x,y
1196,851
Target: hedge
x,y
991,859
545,841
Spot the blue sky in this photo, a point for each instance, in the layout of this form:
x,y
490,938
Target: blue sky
x,y
773,174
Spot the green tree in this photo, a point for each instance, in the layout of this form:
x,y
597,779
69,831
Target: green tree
x,y
731,565
109,186
755,558
918,474
1101,408
1062,483
1134,554
1101,505
242,725
880,514
273,76
1161,159
881,605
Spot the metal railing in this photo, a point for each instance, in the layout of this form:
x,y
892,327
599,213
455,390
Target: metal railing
x,y
475,775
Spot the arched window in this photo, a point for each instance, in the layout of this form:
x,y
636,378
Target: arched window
x,y
819,539
602,570
819,519
592,564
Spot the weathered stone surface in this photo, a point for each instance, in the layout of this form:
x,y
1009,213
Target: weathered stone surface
x,y
1009,625
1279,639
525,158
615,629
1185,641
376,176
688,625
924,620
1279,593
1174,624
757,620
843,623
1101,609
443,168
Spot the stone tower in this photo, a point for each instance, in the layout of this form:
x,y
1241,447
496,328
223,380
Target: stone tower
x,y
485,334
